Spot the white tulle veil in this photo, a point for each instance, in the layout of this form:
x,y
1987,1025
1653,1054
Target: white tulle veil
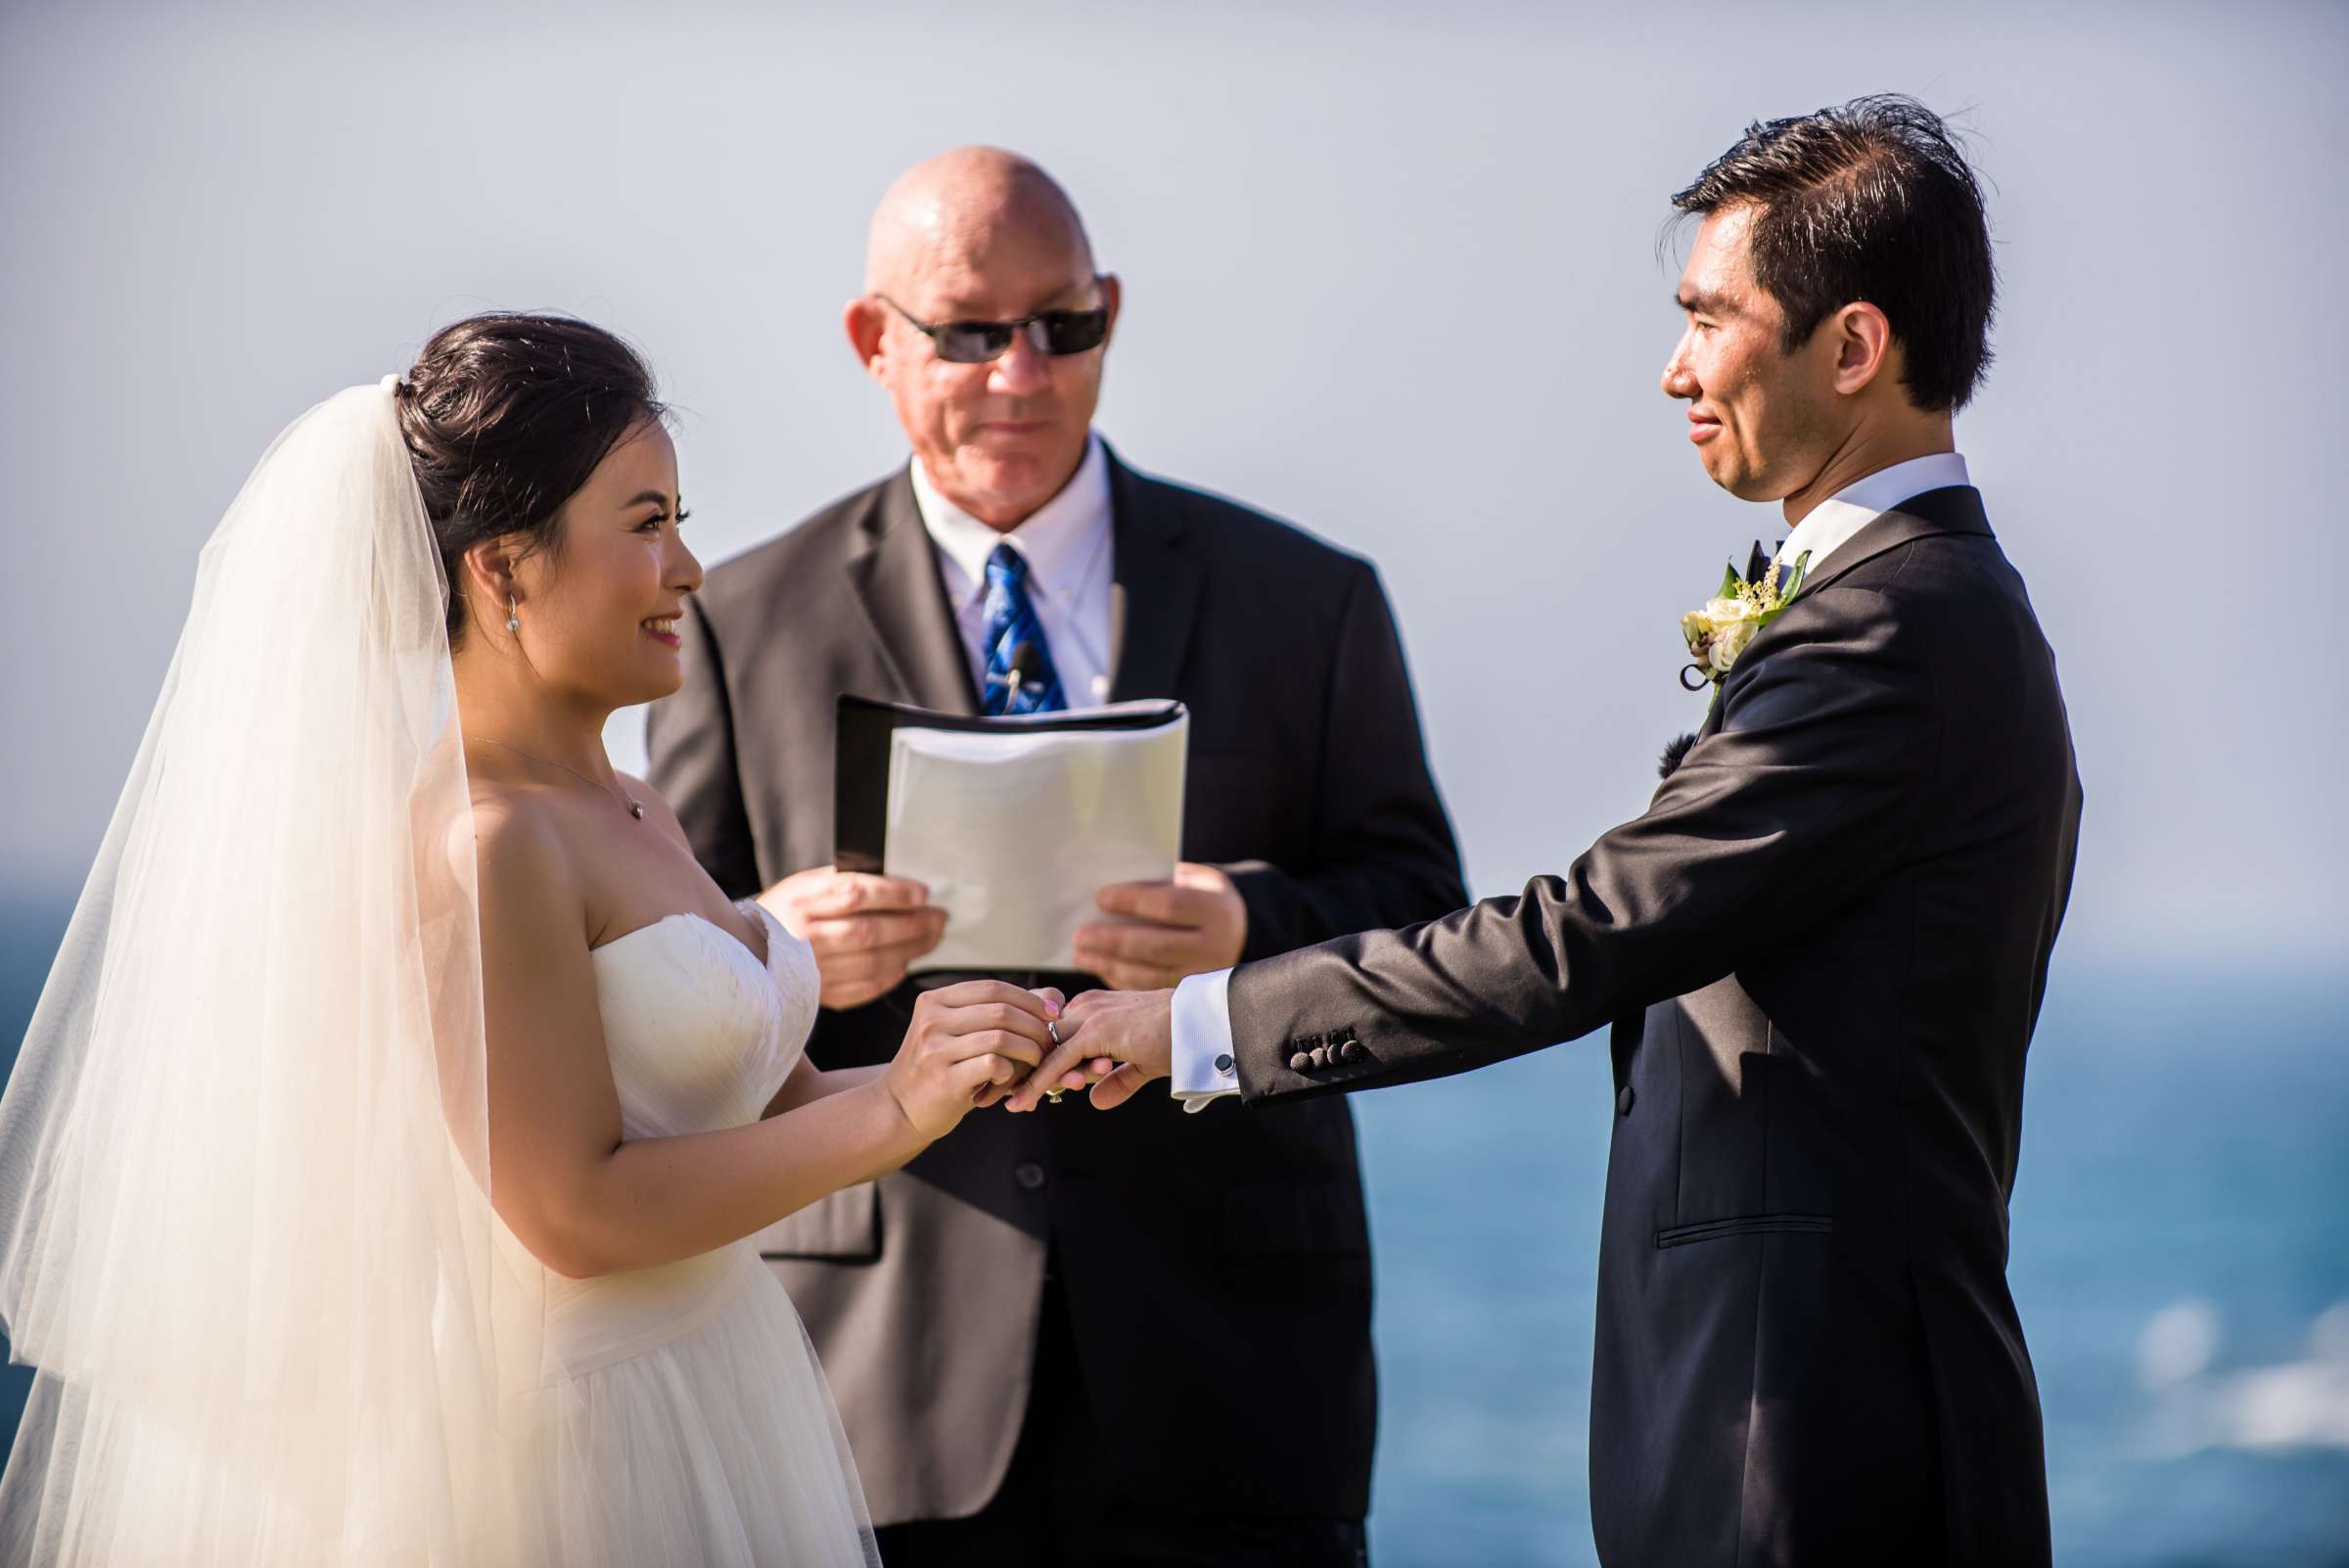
x,y
243,1155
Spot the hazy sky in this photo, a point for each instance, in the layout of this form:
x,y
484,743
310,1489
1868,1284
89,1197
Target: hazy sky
x,y
1390,272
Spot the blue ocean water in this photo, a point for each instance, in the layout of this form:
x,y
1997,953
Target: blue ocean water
x,y
2181,1232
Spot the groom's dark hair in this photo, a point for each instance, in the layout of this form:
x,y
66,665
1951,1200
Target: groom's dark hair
x,y
1868,201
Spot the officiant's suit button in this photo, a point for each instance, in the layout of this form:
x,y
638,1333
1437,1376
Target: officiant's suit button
x,y
1299,1062
1027,1174
1350,1050
1623,1101
1320,1056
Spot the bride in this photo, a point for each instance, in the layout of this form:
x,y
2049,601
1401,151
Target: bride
x,y
377,1177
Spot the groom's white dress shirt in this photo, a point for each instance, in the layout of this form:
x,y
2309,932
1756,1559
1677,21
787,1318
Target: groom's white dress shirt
x,y
1067,543
1201,1016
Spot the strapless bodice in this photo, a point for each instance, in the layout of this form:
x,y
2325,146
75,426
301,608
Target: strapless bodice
x,y
700,1033
700,1036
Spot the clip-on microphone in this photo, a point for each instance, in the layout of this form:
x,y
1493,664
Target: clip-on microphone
x,y
1026,670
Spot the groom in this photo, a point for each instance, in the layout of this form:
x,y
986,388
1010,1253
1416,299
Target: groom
x,y
1822,949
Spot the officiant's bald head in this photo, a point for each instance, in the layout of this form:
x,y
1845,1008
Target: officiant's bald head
x,y
971,237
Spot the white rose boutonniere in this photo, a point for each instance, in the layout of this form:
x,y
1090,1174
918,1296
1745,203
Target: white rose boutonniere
x,y
1719,632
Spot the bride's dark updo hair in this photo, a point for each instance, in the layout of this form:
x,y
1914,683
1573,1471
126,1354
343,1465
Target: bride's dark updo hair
x,y
505,416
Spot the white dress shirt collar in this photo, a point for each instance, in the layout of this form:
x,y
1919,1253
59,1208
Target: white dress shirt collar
x,y
1837,519
1060,538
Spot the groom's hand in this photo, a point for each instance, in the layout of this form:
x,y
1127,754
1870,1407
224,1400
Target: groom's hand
x,y
1192,925
1134,1031
865,930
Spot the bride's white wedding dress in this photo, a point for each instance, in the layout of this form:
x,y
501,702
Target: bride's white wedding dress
x,y
687,1396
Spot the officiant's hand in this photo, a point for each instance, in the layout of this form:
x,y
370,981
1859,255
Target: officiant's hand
x,y
1192,925
1136,1032
865,930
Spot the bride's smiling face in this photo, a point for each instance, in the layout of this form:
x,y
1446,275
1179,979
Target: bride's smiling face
x,y
598,611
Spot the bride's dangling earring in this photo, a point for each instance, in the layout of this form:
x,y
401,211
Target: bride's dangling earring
x,y
513,615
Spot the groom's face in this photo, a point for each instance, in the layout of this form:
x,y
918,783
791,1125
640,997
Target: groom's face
x,y
1759,417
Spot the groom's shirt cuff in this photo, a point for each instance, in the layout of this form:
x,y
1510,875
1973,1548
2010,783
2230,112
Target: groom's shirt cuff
x,y
1200,1018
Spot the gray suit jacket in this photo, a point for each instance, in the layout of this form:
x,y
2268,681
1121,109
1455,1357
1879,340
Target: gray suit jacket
x,y
1187,1246
1823,950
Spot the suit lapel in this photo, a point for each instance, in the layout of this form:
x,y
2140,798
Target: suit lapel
x,y
895,579
1159,578
1958,509
1955,509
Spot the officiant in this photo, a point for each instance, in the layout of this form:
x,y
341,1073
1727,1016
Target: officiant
x,y
1037,1287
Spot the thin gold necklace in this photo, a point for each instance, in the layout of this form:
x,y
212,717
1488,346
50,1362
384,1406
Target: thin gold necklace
x,y
635,808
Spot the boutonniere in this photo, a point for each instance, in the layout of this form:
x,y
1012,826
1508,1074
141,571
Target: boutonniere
x,y
1719,632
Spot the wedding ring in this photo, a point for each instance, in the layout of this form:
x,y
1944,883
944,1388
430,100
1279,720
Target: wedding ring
x,y
1052,1028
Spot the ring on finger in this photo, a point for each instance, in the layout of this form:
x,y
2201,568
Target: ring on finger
x,y
1052,1028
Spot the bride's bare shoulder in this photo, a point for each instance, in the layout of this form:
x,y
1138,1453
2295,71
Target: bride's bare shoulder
x,y
521,853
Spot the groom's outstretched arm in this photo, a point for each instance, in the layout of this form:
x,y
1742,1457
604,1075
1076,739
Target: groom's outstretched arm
x,y
1809,790
1812,787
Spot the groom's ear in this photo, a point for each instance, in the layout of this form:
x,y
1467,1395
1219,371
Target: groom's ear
x,y
1864,346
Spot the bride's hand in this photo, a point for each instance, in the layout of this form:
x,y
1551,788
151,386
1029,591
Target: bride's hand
x,y
965,1040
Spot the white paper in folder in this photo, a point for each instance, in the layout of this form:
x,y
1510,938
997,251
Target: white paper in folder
x,y
1014,834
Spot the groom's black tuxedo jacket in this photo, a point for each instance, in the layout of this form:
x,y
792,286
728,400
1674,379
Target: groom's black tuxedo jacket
x,y
1822,952
1191,1249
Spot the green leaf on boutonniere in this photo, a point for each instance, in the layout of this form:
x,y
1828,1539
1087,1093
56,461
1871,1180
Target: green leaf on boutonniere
x,y
1794,579
1731,582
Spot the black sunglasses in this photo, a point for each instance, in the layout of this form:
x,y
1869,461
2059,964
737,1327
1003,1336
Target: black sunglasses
x,y
976,343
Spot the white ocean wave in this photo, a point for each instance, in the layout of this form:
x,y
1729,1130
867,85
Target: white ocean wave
x,y
2176,1344
2287,1407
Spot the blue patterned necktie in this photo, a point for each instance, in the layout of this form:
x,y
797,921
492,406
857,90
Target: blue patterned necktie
x,y
1011,626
